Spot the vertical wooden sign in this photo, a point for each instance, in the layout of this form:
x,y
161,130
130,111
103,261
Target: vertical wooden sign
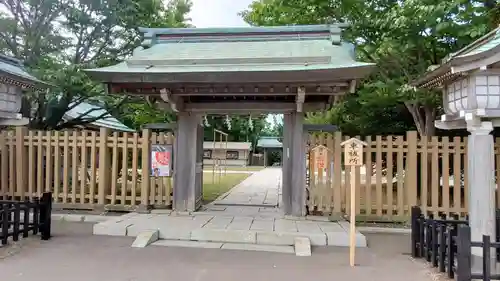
x,y
353,156
320,156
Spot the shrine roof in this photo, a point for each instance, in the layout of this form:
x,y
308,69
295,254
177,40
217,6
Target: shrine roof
x,y
230,50
11,68
91,111
269,142
482,48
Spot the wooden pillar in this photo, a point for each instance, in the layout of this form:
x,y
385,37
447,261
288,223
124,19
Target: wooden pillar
x,y
21,162
145,163
411,168
298,165
185,163
198,196
286,178
103,168
4,166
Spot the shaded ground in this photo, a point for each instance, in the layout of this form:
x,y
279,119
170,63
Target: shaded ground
x,y
74,254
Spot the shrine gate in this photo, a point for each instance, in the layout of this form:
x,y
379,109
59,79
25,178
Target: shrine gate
x,y
194,72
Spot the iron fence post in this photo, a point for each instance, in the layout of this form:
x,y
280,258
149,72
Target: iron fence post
x,y
464,270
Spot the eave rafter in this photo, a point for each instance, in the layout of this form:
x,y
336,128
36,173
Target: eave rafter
x,y
10,81
439,81
232,90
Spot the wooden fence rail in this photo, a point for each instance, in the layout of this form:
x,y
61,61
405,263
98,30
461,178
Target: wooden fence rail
x,y
399,172
83,169
95,170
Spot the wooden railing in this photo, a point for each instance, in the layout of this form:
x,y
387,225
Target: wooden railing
x,y
83,169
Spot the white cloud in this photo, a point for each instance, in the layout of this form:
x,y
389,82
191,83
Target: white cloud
x,y
218,13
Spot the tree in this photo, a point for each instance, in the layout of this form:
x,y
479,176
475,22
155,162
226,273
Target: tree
x,y
403,38
241,129
58,38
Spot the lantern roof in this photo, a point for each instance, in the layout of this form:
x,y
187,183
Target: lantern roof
x,y
479,54
12,71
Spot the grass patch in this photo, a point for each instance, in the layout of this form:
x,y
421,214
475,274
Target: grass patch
x,y
238,168
213,189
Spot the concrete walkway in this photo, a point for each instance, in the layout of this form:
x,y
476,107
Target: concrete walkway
x,y
262,188
74,254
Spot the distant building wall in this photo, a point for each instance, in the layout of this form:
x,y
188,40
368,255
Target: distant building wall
x,y
231,157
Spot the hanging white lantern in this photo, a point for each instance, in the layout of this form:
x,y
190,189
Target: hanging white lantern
x,y
228,122
205,122
250,122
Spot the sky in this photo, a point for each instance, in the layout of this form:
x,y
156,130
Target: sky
x,y
218,13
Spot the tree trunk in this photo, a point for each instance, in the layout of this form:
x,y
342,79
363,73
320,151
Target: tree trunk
x,y
423,116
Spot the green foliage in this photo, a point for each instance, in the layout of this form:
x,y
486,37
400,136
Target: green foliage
x,y
240,129
58,38
403,38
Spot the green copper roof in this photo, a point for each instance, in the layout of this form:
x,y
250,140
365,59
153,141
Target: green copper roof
x,y
482,48
197,50
15,69
269,142
94,111
485,43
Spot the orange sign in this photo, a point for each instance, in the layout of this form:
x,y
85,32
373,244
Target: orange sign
x,y
320,154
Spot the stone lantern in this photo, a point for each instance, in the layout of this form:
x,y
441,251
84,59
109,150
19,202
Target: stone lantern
x,y
13,81
470,83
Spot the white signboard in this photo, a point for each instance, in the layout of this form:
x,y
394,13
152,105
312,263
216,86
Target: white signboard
x,y
161,160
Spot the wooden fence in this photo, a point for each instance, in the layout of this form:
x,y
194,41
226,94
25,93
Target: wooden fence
x,y
83,169
103,170
399,172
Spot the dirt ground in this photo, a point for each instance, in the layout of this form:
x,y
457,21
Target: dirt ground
x,y
73,254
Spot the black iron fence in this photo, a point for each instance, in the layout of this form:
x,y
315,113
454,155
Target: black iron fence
x,y
464,260
435,240
19,218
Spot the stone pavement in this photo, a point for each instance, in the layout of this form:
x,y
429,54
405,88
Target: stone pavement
x,y
262,188
247,215
266,228
74,254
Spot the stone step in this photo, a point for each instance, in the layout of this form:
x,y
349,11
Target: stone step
x,y
225,246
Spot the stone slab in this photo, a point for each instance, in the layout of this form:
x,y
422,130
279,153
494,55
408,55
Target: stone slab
x,y
302,247
218,222
262,225
288,238
260,248
341,239
240,223
187,244
175,233
110,229
284,225
308,226
145,238
330,227
224,235
161,211
65,217
95,218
